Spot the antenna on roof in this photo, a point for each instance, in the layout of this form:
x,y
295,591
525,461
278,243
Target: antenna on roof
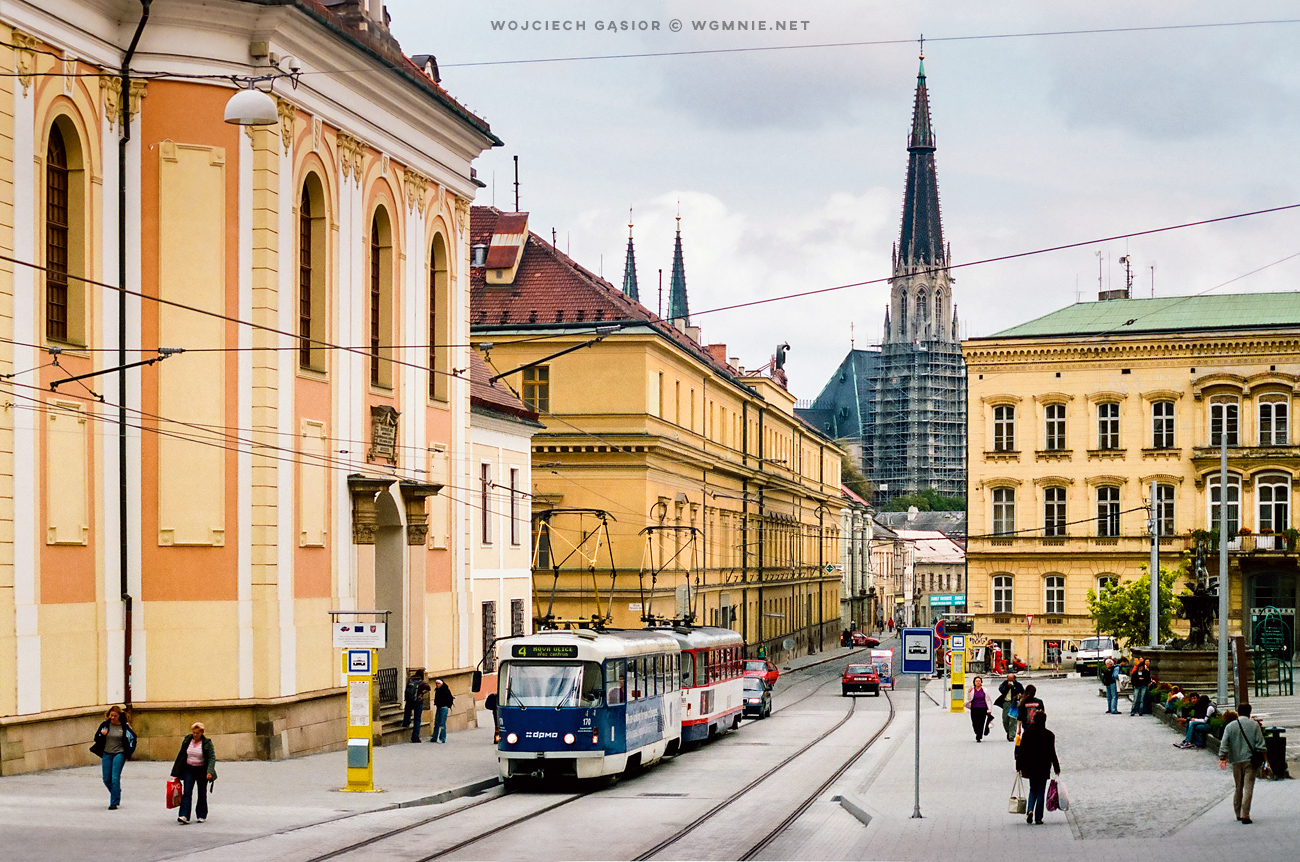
x,y
1153,281
552,237
516,184
851,340
661,292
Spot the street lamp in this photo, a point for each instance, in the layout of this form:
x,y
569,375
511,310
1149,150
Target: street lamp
x,y
252,107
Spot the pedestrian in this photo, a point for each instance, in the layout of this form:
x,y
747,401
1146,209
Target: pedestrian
x,y
1030,703
977,702
1198,723
1035,757
490,703
1242,740
196,763
417,692
1141,679
115,744
442,701
1009,694
1110,679
891,625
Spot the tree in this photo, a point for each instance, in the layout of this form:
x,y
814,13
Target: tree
x,y
927,500
1124,610
851,477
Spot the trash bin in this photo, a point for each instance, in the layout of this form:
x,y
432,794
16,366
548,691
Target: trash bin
x,y
1275,739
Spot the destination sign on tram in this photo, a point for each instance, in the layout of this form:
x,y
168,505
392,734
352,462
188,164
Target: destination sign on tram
x,y
544,651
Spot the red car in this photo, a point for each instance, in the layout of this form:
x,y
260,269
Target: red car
x,y
762,668
859,639
860,677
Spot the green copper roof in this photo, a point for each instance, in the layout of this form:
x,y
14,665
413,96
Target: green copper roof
x,y
1165,314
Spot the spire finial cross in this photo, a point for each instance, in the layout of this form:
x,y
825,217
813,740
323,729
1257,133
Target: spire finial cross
x,y
922,46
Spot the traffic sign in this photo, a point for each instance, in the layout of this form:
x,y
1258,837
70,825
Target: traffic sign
x,y
918,651
938,629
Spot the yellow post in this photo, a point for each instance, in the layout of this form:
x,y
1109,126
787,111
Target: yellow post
x,y
958,673
359,666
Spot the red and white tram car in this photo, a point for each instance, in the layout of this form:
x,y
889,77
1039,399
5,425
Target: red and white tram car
x,y
712,664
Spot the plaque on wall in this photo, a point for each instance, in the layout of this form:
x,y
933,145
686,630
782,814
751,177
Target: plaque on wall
x,y
383,434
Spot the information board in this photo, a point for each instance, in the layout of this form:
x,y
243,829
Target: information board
x,y
918,651
360,635
544,651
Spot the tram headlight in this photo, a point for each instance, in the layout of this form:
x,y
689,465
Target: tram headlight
x,y
595,739
512,738
568,739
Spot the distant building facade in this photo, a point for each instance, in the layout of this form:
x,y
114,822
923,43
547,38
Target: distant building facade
x,y
902,407
1074,415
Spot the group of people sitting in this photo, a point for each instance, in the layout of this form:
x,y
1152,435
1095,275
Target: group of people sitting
x,y
1198,720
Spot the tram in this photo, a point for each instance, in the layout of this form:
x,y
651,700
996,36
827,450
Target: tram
x,y
712,665
588,703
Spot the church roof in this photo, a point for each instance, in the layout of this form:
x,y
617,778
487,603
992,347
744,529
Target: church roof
x,y
1164,314
920,242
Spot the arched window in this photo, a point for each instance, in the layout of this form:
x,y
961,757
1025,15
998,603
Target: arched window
x,y
439,315
1054,511
1004,428
1108,511
1223,419
922,313
1054,594
1108,425
1234,502
381,300
1002,590
1273,495
1004,511
1054,427
1164,510
64,235
312,267
1272,420
902,316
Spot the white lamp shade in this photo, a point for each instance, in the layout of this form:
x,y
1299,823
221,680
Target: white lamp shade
x,y
252,108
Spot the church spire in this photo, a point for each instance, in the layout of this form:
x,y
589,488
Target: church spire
x,y
921,240
677,307
629,268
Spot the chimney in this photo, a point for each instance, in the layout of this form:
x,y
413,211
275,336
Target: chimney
x,y
718,352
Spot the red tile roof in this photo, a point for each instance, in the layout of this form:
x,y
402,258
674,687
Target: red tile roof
x,y
494,396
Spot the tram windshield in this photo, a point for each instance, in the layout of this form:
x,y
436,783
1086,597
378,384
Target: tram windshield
x,y
575,684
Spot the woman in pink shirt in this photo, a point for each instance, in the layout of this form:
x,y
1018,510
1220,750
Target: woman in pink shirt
x,y
196,763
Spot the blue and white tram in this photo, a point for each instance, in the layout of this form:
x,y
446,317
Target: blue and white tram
x,y
712,665
586,703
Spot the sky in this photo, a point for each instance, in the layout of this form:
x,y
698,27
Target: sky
x,y
787,166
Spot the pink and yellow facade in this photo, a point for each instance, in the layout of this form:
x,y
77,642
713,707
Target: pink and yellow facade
x,y
300,455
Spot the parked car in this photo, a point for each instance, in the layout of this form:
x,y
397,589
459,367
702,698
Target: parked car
x,y
758,697
1093,653
762,668
860,639
858,678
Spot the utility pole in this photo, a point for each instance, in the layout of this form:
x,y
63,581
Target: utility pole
x,y
1153,526
1222,692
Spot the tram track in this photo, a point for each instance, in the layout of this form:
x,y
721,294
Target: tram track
x,y
799,810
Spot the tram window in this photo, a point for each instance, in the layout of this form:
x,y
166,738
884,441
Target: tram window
x,y
642,678
661,665
615,681
559,685
672,673
702,667
652,676
593,685
633,680
687,667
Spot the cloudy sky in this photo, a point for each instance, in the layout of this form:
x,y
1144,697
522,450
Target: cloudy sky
x,y
788,165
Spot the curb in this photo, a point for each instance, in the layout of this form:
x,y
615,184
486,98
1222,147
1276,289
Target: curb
x,y
453,793
855,806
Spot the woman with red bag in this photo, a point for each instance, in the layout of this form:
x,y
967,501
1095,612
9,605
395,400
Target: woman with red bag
x,y
1034,758
196,763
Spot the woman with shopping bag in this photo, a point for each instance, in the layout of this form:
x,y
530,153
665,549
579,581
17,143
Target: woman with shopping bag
x,y
1035,759
195,765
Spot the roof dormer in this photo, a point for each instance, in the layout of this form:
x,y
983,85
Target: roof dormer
x,y
506,249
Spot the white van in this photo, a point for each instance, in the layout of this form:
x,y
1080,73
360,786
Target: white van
x,y
1093,653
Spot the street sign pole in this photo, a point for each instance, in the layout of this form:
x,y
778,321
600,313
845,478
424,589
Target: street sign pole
x,y
359,643
918,660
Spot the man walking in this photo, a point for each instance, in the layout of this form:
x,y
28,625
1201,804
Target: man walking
x,y
1141,679
1241,739
1107,676
1009,699
442,701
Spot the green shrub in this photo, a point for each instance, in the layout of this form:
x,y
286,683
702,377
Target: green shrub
x,y
1216,723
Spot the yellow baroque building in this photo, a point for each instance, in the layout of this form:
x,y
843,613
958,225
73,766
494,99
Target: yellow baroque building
x,y
718,501
296,457
1074,415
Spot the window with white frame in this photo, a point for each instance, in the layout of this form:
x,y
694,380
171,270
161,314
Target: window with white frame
x,y
1273,495
1272,420
514,506
1004,428
1223,420
1234,502
1054,511
1054,427
1054,594
1162,425
1108,425
1002,594
1108,511
1105,582
1004,511
1164,505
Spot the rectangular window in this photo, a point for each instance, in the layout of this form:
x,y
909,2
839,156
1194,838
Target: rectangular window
x,y
485,501
304,280
1054,595
489,637
1004,511
1054,436
1004,428
537,388
1002,594
1272,422
57,221
1054,511
1223,422
1234,504
1164,510
1108,425
516,617
1108,511
514,506
376,301
1162,425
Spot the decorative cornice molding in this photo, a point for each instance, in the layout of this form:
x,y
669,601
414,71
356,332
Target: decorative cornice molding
x,y
1005,355
288,112
25,47
1047,481
417,189
1053,397
1098,481
1105,396
1002,398
351,154
111,89
1161,395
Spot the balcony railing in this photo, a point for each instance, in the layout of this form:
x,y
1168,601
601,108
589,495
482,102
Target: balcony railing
x,y
1250,543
